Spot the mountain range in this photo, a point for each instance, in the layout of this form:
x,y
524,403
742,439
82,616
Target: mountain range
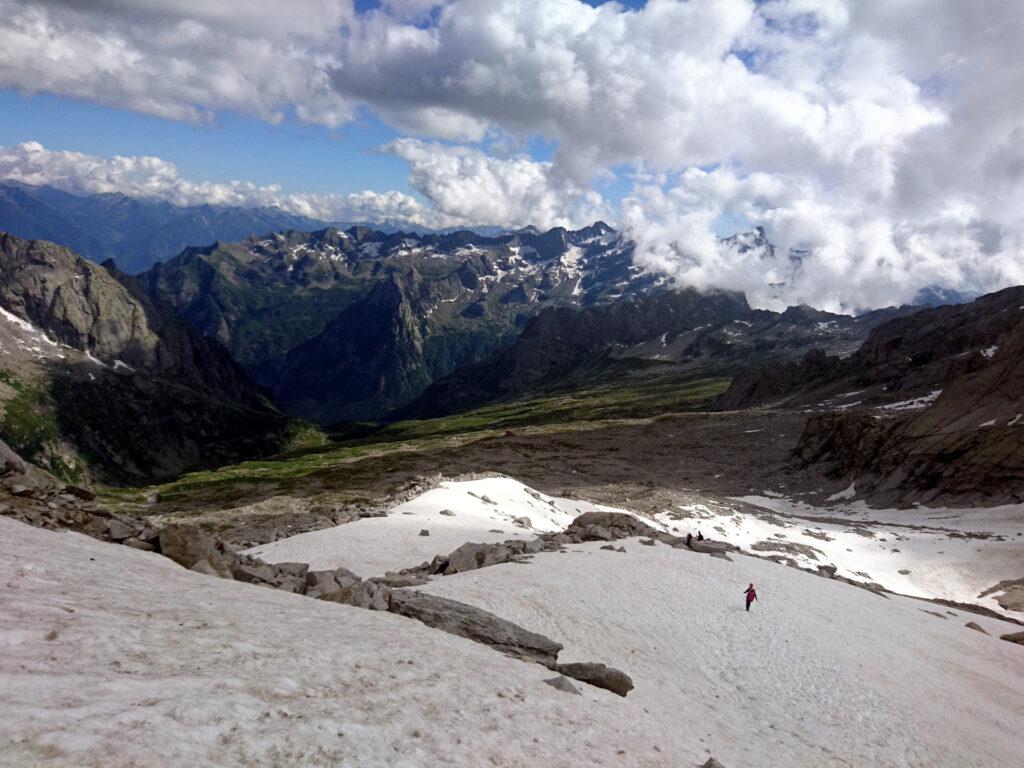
x,y
133,231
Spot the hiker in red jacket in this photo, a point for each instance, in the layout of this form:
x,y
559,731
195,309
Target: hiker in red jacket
x,y
751,594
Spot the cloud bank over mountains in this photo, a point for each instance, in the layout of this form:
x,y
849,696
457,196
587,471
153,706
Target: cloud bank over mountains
x,y
883,141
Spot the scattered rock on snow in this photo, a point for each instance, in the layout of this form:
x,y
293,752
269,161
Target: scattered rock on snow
x,y
977,627
1014,637
424,532
522,522
712,763
447,513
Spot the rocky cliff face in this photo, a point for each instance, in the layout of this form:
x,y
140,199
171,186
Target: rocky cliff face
x,y
929,408
683,330
967,447
99,379
916,352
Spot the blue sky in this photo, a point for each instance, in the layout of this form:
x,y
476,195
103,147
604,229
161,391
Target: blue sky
x,y
297,156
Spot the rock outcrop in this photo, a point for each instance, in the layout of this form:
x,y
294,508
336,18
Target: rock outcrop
x,y
466,621
118,388
598,675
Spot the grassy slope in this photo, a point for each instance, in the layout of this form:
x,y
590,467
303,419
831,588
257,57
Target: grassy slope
x,y
344,464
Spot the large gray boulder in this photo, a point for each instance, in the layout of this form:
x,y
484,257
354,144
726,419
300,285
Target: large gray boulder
x,y
598,675
475,624
193,548
471,556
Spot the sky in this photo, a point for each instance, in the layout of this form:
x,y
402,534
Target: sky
x,y
884,141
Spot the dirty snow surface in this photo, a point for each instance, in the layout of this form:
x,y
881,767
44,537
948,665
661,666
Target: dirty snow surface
x,y
110,657
818,673
482,511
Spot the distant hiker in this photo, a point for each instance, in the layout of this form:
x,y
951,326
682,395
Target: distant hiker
x,y
689,539
700,536
751,594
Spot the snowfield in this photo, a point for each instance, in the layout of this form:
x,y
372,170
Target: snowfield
x,y
483,512
113,657
818,673
954,554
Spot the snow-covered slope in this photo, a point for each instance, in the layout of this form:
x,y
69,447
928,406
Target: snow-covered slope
x,y
113,657
955,554
480,510
818,673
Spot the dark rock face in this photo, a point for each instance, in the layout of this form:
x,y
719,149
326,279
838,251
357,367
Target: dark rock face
x,y
598,675
965,447
466,621
135,390
922,348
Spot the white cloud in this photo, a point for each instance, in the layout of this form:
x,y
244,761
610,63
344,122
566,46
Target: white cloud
x,y
887,136
157,179
475,188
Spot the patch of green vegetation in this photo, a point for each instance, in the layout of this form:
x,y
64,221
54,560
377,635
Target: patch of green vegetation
x,y
28,423
317,466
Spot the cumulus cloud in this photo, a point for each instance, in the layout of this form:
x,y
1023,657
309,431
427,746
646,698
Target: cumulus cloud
x,y
882,141
475,188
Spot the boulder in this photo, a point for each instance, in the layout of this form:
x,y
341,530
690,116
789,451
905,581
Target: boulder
x,y
471,556
189,544
79,492
118,530
606,526
647,542
598,675
1014,637
827,570
562,683
522,522
712,763
976,627
447,513
424,532
475,624
324,584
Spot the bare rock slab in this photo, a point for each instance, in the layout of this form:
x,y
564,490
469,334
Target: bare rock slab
x,y
598,675
475,624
